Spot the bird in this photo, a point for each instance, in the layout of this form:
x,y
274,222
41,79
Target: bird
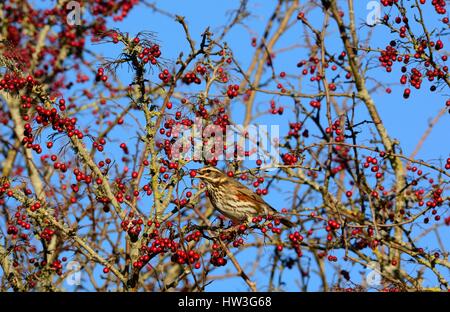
x,y
233,199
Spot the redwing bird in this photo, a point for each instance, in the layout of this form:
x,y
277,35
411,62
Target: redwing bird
x,y
235,200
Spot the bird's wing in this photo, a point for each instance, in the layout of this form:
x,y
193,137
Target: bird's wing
x,y
244,194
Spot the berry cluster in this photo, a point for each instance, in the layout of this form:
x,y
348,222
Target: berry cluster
x,y
372,162
218,256
191,77
233,91
389,2
439,6
47,234
289,159
101,75
13,83
388,56
331,226
131,225
274,110
165,76
296,239
149,54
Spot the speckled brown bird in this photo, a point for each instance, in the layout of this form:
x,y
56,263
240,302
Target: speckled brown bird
x,y
233,199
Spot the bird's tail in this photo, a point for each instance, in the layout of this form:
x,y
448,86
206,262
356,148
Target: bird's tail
x,y
283,220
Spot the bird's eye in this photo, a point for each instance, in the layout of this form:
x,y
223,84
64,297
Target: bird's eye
x,y
208,171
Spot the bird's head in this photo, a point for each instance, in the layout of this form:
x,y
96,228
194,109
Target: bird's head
x,y
211,175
